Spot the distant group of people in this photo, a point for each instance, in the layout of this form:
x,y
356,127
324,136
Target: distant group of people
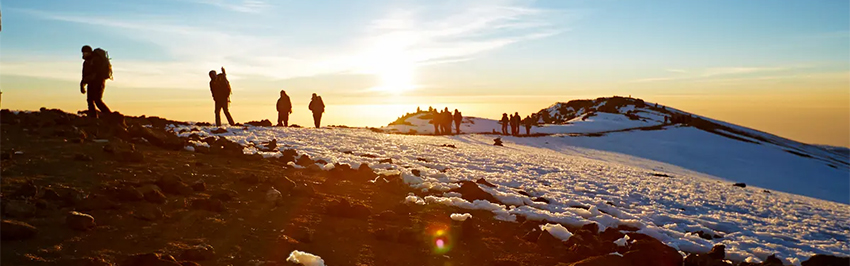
x,y
443,120
515,121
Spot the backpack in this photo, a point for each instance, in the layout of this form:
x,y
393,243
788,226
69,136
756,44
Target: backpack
x,y
103,68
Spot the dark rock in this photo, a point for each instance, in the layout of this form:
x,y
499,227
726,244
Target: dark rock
x,y
504,262
766,191
416,172
198,253
704,235
304,160
343,208
261,123
611,234
524,193
825,260
129,193
384,234
470,191
219,131
26,190
19,208
16,230
148,212
322,162
251,179
283,184
79,221
740,185
772,260
533,235
213,205
174,185
82,157
96,202
605,260
648,251
224,195
303,234
130,156
199,186
303,190
483,181
360,211
151,193
150,259
540,199
718,252
547,240
704,260
157,137
497,142
63,195
388,160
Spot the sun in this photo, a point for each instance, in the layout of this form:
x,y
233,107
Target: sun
x,y
392,62
396,77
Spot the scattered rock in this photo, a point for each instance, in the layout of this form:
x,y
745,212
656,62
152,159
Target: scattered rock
x,y
129,193
151,193
130,156
540,199
483,181
304,160
199,186
303,234
648,251
283,184
198,253
224,195
532,235
416,172
388,160
605,260
498,142
219,131
148,212
82,157
174,185
766,191
16,230
150,259
343,208
739,185
96,202
79,221
213,205
26,190
63,195
19,208
471,191
823,260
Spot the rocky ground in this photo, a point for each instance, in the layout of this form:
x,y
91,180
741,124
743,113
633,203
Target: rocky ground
x,y
123,191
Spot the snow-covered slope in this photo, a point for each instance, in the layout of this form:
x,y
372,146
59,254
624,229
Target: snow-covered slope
x,y
592,179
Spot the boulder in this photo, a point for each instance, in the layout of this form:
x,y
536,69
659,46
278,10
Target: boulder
x,y
128,193
199,186
251,179
148,212
16,230
213,205
198,253
96,202
130,156
26,190
19,208
471,191
303,234
283,184
224,195
740,185
80,221
648,251
605,260
150,259
343,208
483,181
174,185
63,195
157,137
151,193
825,260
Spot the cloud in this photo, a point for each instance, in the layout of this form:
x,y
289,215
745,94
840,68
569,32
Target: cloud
x,y
244,6
401,41
719,72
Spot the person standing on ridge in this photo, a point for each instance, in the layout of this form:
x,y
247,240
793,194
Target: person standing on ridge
x,y
435,119
505,120
96,70
516,122
458,119
528,122
317,106
284,108
447,121
220,89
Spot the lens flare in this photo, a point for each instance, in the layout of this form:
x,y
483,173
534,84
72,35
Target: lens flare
x,y
440,239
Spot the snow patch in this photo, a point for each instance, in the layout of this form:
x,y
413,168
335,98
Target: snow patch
x,y
304,258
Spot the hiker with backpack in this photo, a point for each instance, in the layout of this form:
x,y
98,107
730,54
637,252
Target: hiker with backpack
x,y
504,121
284,108
458,119
220,89
528,122
96,70
435,119
317,106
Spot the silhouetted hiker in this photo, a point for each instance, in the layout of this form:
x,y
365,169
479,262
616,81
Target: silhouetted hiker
x,y
528,122
505,121
220,89
517,123
96,70
447,121
435,119
284,108
318,107
458,120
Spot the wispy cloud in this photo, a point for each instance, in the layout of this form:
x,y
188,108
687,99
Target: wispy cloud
x,y
245,6
397,43
720,72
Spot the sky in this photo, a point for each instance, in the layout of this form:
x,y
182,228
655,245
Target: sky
x,y
778,66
